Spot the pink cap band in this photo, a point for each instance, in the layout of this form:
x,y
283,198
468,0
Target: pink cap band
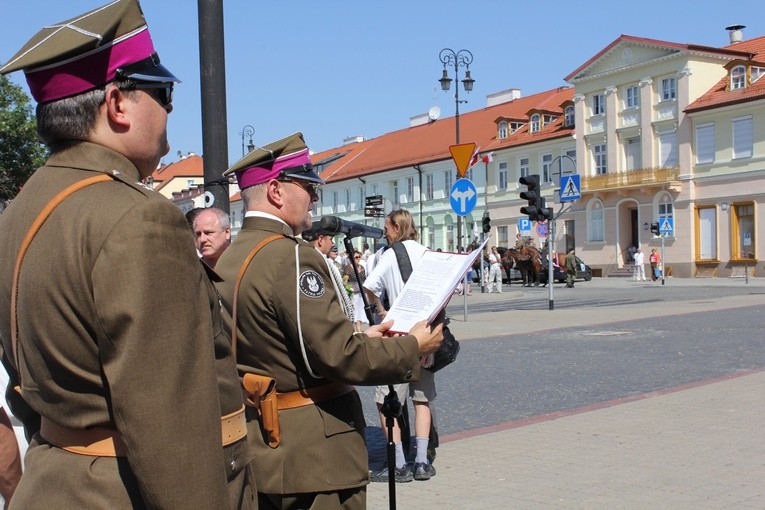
x,y
89,71
271,170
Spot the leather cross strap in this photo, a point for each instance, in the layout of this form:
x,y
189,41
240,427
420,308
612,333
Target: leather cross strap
x,y
31,233
239,277
107,442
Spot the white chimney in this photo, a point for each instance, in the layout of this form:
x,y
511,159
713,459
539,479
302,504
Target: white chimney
x,y
353,139
504,96
419,120
736,33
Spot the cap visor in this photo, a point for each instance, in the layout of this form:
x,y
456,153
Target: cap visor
x,y
308,175
157,73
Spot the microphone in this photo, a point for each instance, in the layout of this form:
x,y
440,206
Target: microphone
x,y
333,225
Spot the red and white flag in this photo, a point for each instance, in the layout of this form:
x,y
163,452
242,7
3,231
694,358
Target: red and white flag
x,y
488,158
474,157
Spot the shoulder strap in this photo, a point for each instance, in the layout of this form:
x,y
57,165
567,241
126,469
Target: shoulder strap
x,y
31,233
239,277
404,264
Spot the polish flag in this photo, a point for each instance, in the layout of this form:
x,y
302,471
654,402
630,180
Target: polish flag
x,y
474,157
488,158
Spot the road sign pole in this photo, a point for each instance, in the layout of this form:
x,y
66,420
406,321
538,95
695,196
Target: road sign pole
x,y
663,262
466,283
550,236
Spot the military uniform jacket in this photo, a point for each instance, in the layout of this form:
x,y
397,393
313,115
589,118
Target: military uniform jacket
x,y
285,294
119,326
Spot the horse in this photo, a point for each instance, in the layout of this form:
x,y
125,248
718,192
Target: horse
x,y
528,262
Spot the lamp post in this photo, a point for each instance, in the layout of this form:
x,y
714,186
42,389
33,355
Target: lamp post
x,y
247,131
461,58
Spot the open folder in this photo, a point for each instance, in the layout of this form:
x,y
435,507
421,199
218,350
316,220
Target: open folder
x,y
430,287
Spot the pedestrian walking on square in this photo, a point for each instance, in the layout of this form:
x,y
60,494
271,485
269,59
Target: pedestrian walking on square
x,y
570,268
639,266
495,270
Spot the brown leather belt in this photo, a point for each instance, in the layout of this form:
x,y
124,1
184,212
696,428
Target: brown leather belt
x,y
106,442
315,395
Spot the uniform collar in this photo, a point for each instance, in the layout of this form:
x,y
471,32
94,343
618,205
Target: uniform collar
x,y
93,157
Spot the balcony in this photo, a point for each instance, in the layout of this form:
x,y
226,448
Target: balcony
x,y
638,178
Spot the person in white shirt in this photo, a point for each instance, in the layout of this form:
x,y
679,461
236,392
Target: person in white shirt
x,y
495,273
639,266
386,276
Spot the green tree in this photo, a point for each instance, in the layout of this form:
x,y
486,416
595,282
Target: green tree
x,y
21,150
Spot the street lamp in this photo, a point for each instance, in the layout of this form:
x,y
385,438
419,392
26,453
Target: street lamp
x,y
247,131
461,58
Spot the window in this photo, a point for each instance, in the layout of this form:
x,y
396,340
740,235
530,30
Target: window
x,y
502,176
548,119
706,233
668,91
362,198
742,137
502,130
738,77
347,200
571,153
595,227
632,154
705,143
534,127
599,159
396,197
598,104
523,167
515,126
450,235
429,186
632,97
410,189
469,175
448,183
755,73
190,183
334,202
431,236
668,149
502,239
547,168
569,118
743,232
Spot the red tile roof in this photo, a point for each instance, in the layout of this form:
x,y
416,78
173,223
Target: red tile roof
x,y
430,142
718,96
189,166
729,50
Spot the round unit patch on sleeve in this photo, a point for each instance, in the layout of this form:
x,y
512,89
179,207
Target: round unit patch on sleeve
x,y
311,284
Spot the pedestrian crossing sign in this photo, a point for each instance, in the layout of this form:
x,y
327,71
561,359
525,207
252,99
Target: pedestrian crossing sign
x,y
570,188
666,225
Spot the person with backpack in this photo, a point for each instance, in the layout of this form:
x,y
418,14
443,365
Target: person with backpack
x,y
400,232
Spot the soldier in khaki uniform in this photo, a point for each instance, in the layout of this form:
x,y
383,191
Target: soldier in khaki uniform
x,y
126,381
290,327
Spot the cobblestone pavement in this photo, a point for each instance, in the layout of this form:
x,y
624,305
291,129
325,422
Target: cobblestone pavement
x,y
697,444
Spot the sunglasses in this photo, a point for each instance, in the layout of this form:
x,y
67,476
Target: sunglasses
x,y
164,90
312,188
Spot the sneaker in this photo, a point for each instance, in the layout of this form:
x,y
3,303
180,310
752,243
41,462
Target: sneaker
x,y
423,471
403,474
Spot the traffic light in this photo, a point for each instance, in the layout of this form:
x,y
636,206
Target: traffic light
x,y
655,228
486,223
544,212
532,196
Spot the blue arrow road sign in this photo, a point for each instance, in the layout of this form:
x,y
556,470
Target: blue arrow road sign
x,y
666,225
524,225
463,197
569,188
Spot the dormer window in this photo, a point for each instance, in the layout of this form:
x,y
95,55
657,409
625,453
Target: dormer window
x,y
502,130
515,126
756,73
534,127
568,116
738,78
548,119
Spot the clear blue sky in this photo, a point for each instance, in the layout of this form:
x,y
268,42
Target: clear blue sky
x,y
333,69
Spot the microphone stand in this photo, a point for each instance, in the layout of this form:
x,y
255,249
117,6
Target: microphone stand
x,y
391,408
